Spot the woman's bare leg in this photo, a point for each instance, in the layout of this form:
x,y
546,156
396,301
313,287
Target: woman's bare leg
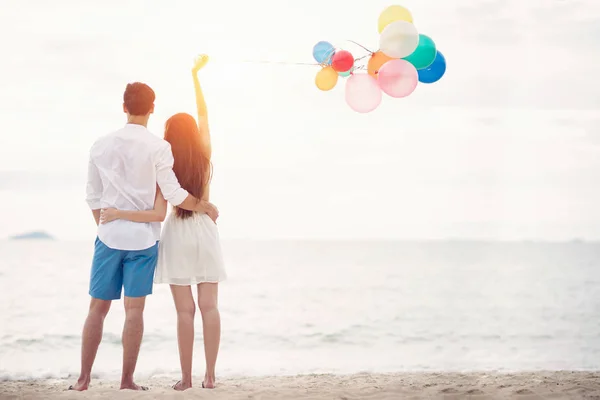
x,y
184,303
211,326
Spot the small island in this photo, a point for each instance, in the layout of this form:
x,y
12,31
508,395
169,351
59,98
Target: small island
x,y
36,235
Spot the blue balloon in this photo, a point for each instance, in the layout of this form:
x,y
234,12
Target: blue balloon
x,y
435,71
323,52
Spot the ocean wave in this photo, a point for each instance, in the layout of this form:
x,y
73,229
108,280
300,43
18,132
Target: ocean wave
x,y
52,341
72,374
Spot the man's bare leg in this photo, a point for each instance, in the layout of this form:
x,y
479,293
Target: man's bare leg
x,y
133,332
91,338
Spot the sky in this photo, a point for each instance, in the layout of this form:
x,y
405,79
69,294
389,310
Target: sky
x,y
506,146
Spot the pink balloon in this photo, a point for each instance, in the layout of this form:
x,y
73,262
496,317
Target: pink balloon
x,y
398,78
363,94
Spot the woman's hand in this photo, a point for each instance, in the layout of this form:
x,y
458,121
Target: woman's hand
x,y
108,215
200,62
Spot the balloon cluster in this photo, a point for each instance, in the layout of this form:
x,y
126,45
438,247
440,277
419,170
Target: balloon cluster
x,y
404,59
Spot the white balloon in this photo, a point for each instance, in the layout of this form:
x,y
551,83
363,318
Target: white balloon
x,y
399,39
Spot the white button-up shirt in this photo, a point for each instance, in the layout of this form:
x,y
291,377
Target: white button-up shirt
x,y
123,171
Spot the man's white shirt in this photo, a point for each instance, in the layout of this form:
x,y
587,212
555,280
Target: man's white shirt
x,y
124,169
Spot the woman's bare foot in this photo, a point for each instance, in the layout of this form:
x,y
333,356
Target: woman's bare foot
x,y
181,386
209,382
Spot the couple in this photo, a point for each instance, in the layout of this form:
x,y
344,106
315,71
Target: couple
x,y
132,175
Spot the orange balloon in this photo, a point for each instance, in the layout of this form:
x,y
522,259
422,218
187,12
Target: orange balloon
x,y
376,61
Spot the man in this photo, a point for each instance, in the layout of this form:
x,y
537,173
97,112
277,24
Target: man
x,y
124,170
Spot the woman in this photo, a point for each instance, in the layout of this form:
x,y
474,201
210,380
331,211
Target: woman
x,y
189,252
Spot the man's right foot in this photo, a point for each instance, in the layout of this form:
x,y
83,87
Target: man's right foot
x,y
180,386
133,386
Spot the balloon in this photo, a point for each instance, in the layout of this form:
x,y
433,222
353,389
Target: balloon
x,y
425,53
376,61
347,73
393,14
342,61
322,52
363,94
435,71
326,78
398,78
399,39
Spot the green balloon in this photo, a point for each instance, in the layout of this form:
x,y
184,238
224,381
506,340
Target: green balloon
x,y
347,73
425,53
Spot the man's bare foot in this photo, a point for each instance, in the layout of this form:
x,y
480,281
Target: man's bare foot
x,y
209,382
81,385
181,386
132,386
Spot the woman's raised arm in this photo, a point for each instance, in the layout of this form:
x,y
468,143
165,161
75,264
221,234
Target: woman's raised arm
x,y
203,128
200,62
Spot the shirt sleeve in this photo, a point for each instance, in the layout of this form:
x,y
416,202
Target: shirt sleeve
x,y
93,187
166,179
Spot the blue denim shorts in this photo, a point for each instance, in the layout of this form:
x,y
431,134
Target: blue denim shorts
x,y
114,269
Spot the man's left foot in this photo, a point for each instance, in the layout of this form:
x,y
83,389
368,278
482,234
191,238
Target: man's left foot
x,y
81,385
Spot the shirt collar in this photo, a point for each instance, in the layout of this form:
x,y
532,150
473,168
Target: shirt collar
x,y
135,126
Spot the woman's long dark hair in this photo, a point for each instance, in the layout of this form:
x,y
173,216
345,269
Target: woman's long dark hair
x,y
192,165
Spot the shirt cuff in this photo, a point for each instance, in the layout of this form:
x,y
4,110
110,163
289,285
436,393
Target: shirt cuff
x,y
179,197
94,204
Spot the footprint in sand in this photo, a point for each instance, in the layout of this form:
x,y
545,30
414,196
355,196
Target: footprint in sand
x,y
449,390
475,392
524,392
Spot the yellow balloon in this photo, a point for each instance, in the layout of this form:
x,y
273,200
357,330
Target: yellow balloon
x,y
393,14
326,78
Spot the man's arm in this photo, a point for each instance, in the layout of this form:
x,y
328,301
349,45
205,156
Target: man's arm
x,y
94,190
172,190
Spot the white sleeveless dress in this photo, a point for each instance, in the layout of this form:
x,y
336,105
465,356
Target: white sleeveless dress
x,y
189,251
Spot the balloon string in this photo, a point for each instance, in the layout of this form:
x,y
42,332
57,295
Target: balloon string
x,y
303,63
276,62
360,45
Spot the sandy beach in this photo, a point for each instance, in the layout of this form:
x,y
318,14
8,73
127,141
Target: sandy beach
x,y
538,385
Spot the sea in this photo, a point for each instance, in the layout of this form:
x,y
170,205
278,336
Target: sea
x,y
308,307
